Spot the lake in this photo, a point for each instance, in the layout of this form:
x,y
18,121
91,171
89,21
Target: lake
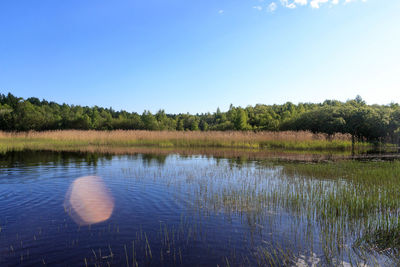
x,y
77,209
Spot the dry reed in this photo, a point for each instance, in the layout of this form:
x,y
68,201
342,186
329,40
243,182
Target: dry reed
x,y
75,140
126,135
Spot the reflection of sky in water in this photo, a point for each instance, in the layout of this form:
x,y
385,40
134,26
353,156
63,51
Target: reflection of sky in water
x,y
88,201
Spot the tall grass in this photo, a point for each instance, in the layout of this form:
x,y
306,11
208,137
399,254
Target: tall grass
x,y
354,205
80,140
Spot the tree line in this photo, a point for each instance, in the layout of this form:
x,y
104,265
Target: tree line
x,y
373,123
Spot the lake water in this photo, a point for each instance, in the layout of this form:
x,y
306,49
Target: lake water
x,y
161,210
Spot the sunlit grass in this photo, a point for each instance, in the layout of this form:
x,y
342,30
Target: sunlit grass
x,y
81,140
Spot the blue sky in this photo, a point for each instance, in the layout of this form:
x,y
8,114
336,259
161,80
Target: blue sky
x,y
195,56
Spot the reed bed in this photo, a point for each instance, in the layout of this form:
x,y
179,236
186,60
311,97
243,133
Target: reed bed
x,y
69,140
351,206
127,135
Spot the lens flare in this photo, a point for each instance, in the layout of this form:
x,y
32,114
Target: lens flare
x,y
88,201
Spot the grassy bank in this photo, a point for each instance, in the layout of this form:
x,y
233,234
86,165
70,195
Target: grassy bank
x,y
80,140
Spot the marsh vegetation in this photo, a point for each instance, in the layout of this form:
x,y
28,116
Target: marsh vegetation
x,y
109,141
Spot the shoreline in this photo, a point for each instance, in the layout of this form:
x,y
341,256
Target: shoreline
x,y
74,140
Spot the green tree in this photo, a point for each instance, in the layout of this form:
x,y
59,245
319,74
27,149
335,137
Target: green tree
x,y
149,121
240,120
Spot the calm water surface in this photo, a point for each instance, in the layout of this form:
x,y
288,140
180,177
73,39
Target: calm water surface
x,y
167,210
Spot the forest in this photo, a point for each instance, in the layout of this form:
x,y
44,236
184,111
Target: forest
x,y
372,123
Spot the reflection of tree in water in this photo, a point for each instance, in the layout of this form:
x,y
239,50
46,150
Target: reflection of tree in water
x,y
91,159
149,159
36,158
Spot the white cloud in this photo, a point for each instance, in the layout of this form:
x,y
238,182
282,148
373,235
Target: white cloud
x,y
293,3
301,2
317,3
287,4
221,12
272,7
284,3
311,3
259,8
349,1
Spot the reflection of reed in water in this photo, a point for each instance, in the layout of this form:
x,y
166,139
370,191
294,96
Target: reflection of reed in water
x,y
88,201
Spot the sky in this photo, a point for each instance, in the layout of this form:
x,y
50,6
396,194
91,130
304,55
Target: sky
x,y
195,56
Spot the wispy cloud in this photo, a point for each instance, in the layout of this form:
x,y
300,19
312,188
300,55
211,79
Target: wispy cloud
x,y
287,4
301,2
221,11
317,3
272,7
291,4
